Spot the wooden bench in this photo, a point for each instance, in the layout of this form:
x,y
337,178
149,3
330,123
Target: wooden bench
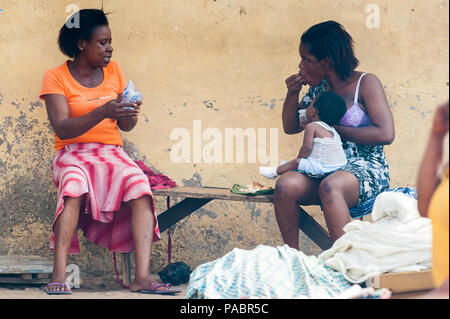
x,y
16,269
197,197
403,282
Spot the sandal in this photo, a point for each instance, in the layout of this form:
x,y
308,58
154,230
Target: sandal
x,y
63,289
160,292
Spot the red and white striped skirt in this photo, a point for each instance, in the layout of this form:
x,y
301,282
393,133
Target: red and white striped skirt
x,y
109,178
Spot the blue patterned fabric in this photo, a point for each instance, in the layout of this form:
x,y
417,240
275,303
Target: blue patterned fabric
x,y
365,207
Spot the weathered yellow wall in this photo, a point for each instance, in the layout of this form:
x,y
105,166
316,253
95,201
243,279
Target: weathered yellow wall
x,y
223,62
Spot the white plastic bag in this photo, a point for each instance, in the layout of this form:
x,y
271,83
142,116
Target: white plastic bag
x,y
131,94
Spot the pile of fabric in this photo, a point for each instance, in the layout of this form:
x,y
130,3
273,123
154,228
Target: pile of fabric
x,y
398,239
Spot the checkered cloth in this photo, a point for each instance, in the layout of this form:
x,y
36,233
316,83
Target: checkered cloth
x,y
265,272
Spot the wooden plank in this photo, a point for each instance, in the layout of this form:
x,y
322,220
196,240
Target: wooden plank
x,y
407,281
211,193
126,268
14,264
314,230
17,279
196,197
181,210
27,277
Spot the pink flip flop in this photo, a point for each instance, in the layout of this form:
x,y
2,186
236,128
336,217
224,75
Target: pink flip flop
x,y
160,292
64,291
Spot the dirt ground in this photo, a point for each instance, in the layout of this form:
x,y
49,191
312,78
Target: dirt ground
x,y
107,288
91,288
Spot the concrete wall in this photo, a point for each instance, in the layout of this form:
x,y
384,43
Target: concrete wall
x,y
224,63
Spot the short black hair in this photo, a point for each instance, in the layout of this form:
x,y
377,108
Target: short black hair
x,y
330,40
69,35
330,107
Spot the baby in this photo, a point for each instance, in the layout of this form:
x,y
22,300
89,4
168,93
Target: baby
x,y
321,152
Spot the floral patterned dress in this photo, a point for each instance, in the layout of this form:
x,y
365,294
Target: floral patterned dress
x,y
366,162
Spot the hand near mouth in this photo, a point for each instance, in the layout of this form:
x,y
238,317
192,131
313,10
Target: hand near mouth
x,y
295,82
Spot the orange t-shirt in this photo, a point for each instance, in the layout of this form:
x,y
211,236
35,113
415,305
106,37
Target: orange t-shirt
x,y
82,100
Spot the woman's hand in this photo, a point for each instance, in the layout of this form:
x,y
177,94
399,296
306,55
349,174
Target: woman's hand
x,y
295,82
116,110
440,123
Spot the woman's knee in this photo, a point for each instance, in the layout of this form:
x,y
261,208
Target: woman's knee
x,y
141,203
72,205
71,211
286,186
74,202
327,188
339,186
295,187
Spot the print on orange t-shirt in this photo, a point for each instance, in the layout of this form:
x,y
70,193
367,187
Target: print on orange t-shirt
x,y
82,100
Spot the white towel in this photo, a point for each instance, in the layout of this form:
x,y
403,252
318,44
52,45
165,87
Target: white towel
x,y
398,239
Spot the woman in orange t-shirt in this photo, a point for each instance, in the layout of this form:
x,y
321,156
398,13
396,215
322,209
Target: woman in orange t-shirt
x,y
100,189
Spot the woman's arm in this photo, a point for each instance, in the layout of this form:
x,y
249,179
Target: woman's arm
x,y
428,178
382,131
66,127
289,113
291,122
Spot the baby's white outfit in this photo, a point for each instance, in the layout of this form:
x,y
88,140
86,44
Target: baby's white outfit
x,y
327,154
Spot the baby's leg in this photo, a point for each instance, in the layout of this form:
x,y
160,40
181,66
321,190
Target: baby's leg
x,y
272,172
289,166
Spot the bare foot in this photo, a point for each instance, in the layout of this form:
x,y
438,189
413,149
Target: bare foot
x,y
146,284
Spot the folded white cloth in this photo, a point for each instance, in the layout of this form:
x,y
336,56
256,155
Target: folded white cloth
x,y
398,239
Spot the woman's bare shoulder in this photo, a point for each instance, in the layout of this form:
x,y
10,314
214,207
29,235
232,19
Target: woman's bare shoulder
x,y
369,81
371,88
